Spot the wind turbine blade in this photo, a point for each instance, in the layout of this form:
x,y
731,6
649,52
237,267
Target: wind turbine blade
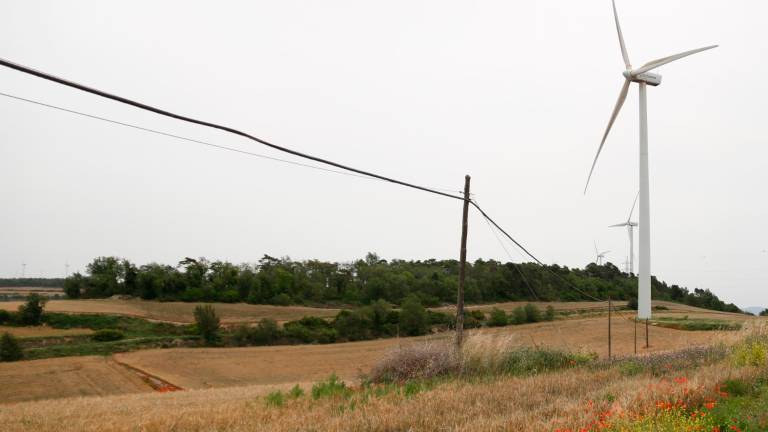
x,y
618,225
616,109
633,207
662,61
621,37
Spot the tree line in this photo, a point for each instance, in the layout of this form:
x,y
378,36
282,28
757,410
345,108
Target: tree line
x,y
282,281
31,282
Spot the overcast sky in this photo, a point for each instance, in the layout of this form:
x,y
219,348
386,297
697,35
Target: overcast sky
x,y
516,94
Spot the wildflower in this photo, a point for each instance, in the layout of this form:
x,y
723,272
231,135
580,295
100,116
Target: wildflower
x,y
709,405
681,380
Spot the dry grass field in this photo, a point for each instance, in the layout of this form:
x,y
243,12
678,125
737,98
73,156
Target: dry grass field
x,y
178,312
43,331
66,377
288,365
531,404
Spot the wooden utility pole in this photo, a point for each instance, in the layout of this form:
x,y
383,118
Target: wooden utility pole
x,y
462,267
609,327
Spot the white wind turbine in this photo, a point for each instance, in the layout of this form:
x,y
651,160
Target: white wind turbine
x,y
599,256
643,77
631,230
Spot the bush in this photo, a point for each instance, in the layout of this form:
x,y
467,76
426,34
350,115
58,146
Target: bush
x,y
329,388
108,335
549,314
519,316
276,398
310,330
498,318
281,300
10,350
208,323
296,392
416,362
632,303
266,332
413,317
532,313
31,313
5,316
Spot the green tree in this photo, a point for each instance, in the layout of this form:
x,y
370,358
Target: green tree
x,y
208,323
764,312
31,313
10,350
73,285
413,317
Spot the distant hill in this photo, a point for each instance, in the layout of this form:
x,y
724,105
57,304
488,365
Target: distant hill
x,y
754,310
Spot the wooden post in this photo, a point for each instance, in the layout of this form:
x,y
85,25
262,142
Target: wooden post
x,y
635,320
647,345
462,268
609,327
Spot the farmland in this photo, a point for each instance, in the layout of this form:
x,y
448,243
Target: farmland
x,y
177,312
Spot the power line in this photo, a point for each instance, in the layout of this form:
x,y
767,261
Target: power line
x,y
205,143
569,283
509,255
146,107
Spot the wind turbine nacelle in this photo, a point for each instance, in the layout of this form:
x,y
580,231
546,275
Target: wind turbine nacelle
x,y
649,78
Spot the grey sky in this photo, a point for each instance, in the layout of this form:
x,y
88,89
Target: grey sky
x,y
516,94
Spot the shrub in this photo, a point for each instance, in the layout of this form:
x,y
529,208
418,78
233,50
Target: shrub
x,y
519,316
107,335
632,303
413,317
281,300
549,314
31,313
751,353
330,388
266,332
416,362
498,318
5,316
276,398
532,313
296,392
10,350
242,335
310,330
208,323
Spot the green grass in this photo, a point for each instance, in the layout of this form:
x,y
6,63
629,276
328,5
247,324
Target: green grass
x,y
330,388
695,324
130,326
83,347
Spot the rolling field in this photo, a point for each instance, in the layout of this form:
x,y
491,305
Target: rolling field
x,y
66,377
178,312
288,365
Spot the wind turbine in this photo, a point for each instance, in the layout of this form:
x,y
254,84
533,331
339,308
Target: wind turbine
x,y
643,77
631,230
599,256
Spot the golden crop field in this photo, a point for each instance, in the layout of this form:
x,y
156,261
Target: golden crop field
x,y
66,377
43,331
178,312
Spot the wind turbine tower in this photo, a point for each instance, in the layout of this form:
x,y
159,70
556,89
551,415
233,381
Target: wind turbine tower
x,y
630,230
643,77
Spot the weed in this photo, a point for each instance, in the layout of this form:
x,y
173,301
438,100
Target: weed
x,y
276,399
296,392
330,388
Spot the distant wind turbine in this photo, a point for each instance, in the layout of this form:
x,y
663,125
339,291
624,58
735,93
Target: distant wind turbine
x,y
643,77
599,256
631,230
